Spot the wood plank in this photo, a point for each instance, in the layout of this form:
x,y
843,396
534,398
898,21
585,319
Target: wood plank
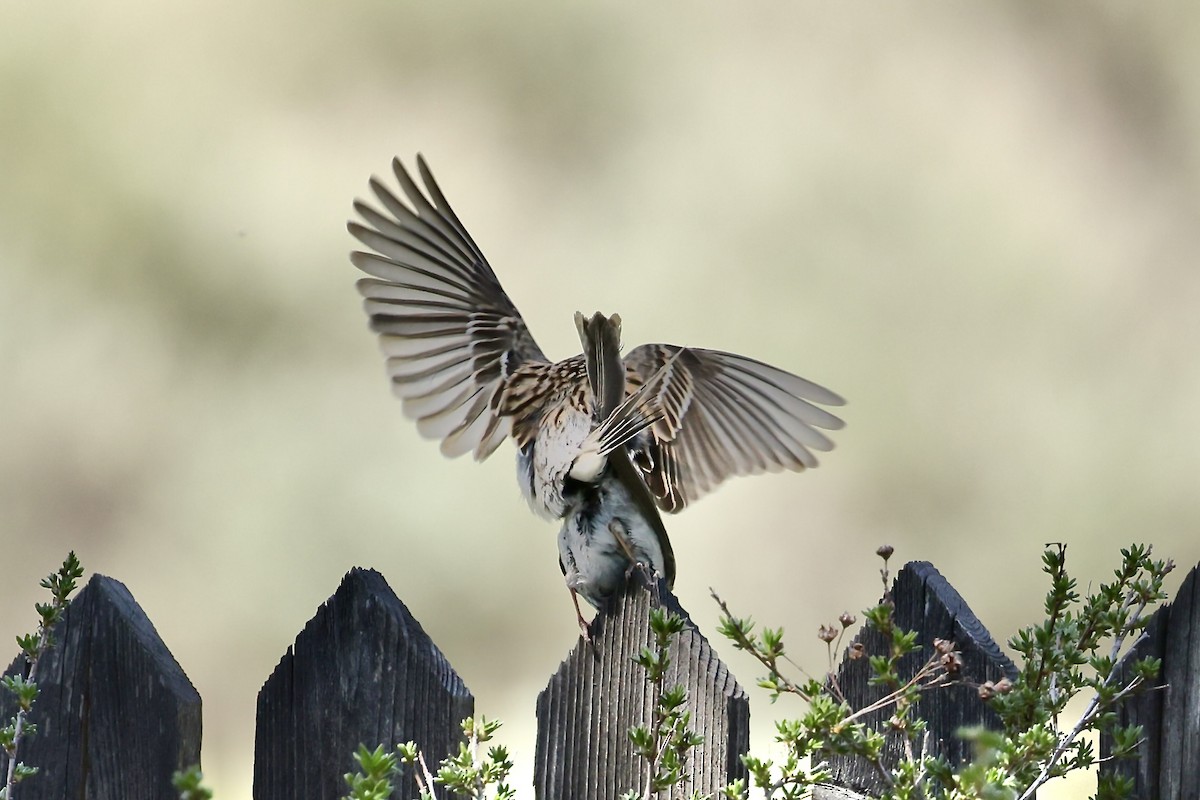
x,y
1168,762
927,603
116,715
586,710
362,671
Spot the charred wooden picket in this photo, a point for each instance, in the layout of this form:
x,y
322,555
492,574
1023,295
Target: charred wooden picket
x,y
1168,762
116,716
598,693
361,672
924,602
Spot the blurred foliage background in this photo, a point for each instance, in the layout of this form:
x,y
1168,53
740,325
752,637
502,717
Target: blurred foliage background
x,y
977,222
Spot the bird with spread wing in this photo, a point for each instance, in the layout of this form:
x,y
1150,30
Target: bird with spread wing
x,y
603,441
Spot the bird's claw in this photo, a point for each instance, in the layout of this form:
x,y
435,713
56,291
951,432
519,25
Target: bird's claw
x,y
646,572
621,535
639,566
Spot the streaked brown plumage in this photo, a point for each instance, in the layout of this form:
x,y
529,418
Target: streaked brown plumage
x,y
467,369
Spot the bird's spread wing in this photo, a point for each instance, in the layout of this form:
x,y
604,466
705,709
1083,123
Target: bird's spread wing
x,y
724,415
451,335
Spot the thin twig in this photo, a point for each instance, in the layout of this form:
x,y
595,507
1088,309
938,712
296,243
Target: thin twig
x,y
1093,708
19,726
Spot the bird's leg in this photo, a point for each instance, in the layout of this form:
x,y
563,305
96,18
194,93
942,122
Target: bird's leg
x,y
584,625
620,533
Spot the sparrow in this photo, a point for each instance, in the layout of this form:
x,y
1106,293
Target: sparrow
x,y
604,441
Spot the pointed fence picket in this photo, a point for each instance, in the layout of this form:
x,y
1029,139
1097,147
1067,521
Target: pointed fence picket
x,y
598,693
1168,764
361,671
117,716
924,602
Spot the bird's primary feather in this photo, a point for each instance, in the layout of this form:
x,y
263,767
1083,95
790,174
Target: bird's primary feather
x,y
452,337
725,415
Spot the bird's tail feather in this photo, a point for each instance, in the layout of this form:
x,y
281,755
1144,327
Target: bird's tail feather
x,y
634,414
601,338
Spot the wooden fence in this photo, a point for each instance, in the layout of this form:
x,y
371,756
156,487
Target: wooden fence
x,y
117,715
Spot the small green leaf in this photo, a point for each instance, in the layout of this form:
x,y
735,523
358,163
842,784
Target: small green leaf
x,y
189,784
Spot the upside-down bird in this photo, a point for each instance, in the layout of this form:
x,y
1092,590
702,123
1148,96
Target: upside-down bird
x,y
603,441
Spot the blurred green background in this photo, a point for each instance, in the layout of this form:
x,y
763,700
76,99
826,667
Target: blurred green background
x,y
978,222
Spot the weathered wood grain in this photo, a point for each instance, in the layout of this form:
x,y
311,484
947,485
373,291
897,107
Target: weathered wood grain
x,y
116,715
927,603
361,671
585,712
1168,762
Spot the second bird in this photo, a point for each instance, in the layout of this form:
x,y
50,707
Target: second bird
x,y
603,442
